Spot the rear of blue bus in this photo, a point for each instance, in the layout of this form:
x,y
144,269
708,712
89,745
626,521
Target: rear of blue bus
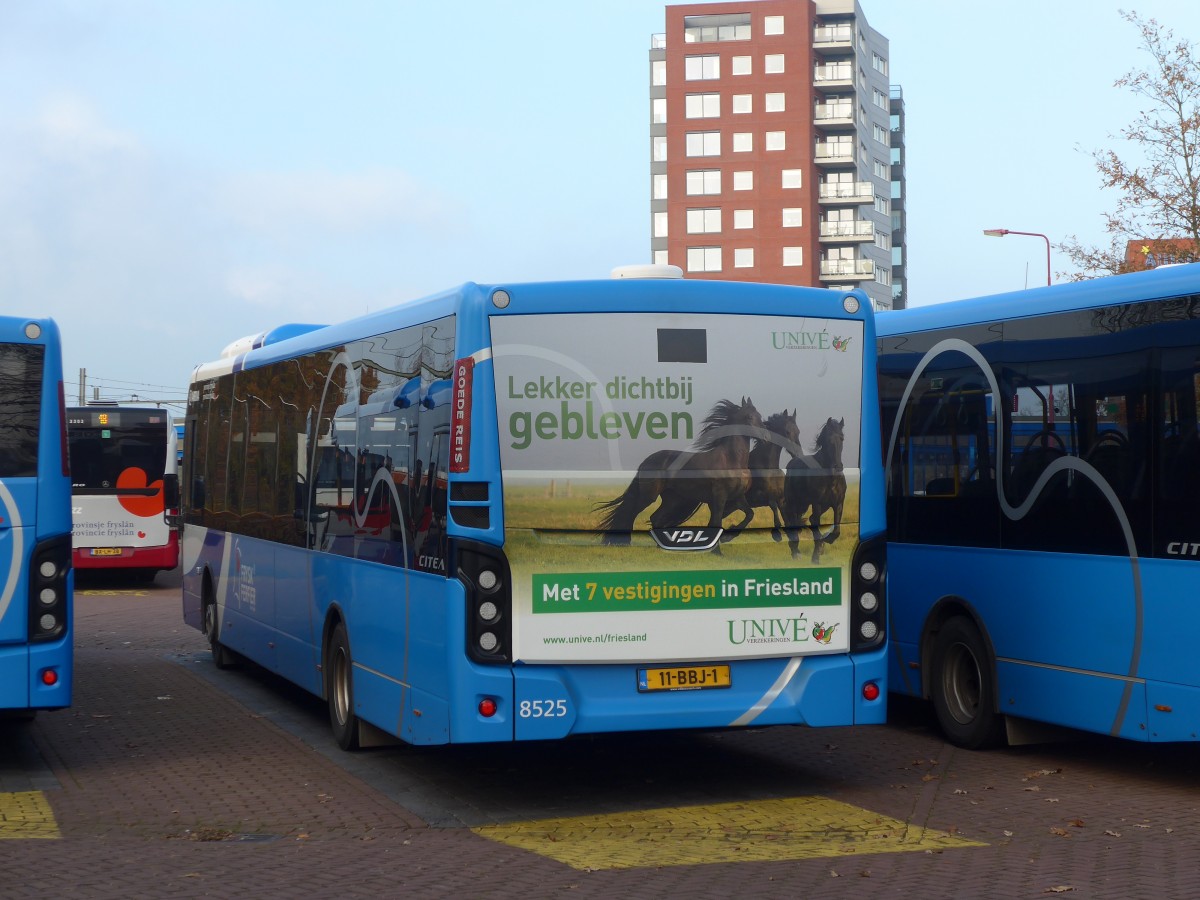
x,y
598,498
35,522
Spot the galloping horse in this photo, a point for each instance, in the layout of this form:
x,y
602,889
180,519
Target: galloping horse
x,y
717,474
766,478
818,482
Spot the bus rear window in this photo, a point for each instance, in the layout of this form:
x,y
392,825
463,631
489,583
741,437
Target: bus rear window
x,y
21,387
99,455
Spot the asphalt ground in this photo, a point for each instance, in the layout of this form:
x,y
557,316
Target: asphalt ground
x,y
168,778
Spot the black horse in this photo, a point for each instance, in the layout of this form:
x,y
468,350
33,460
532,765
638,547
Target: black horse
x,y
766,478
818,483
717,474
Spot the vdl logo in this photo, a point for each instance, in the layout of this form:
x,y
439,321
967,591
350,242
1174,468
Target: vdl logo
x,y
686,538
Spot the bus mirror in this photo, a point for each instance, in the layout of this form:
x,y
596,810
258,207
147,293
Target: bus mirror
x,y
171,491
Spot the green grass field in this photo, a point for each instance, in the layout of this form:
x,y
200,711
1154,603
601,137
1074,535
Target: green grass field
x,y
553,526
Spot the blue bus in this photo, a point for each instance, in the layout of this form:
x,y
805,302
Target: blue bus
x,y
1043,460
530,511
36,579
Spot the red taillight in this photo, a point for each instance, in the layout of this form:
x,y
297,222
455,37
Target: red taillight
x,y
870,691
49,677
487,707
460,416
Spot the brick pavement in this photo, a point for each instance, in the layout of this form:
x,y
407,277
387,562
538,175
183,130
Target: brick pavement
x,y
165,785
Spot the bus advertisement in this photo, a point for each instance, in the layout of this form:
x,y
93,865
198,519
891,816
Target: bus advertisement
x,y
538,510
1043,457
36,580
124,488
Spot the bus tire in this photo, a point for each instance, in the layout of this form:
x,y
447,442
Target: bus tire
x,y
339,688
223,657
963,687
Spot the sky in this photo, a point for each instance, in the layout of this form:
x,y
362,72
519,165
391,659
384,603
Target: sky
x,y
176,174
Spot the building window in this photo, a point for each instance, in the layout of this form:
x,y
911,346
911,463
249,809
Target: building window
x,y
882,275
702,106
703,181
880,64
883,205
704,221
793,256
704,143
776,140
658,151
793,217
658,72
743,258
743,218
883,240
658,110
880,133
773,63
660,186
660,257
701,68
702,29
743,181
774,102
793,178
704,259
742,65
880,98
773,25
743,103
660,224
743,141
882,170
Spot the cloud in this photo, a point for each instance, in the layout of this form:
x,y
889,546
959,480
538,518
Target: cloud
x,y
338,202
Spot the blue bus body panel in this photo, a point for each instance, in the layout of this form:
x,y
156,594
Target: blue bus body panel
x,y
34,510
412,675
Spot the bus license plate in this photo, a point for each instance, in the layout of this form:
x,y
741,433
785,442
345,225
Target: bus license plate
x,y
106,551
684,678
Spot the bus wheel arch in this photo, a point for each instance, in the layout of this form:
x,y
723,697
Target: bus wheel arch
x,y
223,657
338,666
959,676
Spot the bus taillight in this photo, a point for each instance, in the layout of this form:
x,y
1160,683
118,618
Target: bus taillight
x,y
868,590
870,691
487,707
484,574
460,415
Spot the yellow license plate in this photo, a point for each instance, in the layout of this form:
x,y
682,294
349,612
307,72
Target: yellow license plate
x,y
106,551
684,678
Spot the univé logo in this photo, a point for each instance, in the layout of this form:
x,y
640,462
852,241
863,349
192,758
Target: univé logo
x,y
808,340
686,538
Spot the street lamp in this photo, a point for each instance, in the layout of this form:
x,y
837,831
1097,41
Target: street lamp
x,y
1001,232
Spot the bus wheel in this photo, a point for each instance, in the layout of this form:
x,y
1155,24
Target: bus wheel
x,y
964,687
223,657
340,690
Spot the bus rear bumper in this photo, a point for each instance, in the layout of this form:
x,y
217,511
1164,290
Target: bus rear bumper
x,y
556,701
163,558
24,671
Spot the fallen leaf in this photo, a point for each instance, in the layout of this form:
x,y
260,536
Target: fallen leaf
x,y
1112,833
1077,823
1058,889
1008,834
1061,832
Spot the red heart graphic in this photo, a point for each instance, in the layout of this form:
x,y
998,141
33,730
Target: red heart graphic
x,y
138,504
141,534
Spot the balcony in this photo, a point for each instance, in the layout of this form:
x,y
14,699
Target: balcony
x,y
826,115
847,232
846,193
838,77
847,269
658,42
834,154
834,37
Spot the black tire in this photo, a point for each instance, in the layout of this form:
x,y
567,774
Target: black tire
x,y
223,657
339,689
962,685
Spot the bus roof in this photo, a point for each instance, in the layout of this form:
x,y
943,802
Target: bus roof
x,y
1157,284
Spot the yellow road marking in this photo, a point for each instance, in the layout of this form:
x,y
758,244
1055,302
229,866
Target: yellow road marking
x,y
26,815
761,831
132,592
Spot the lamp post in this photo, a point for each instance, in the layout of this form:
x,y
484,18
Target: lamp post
x,y
1001,232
